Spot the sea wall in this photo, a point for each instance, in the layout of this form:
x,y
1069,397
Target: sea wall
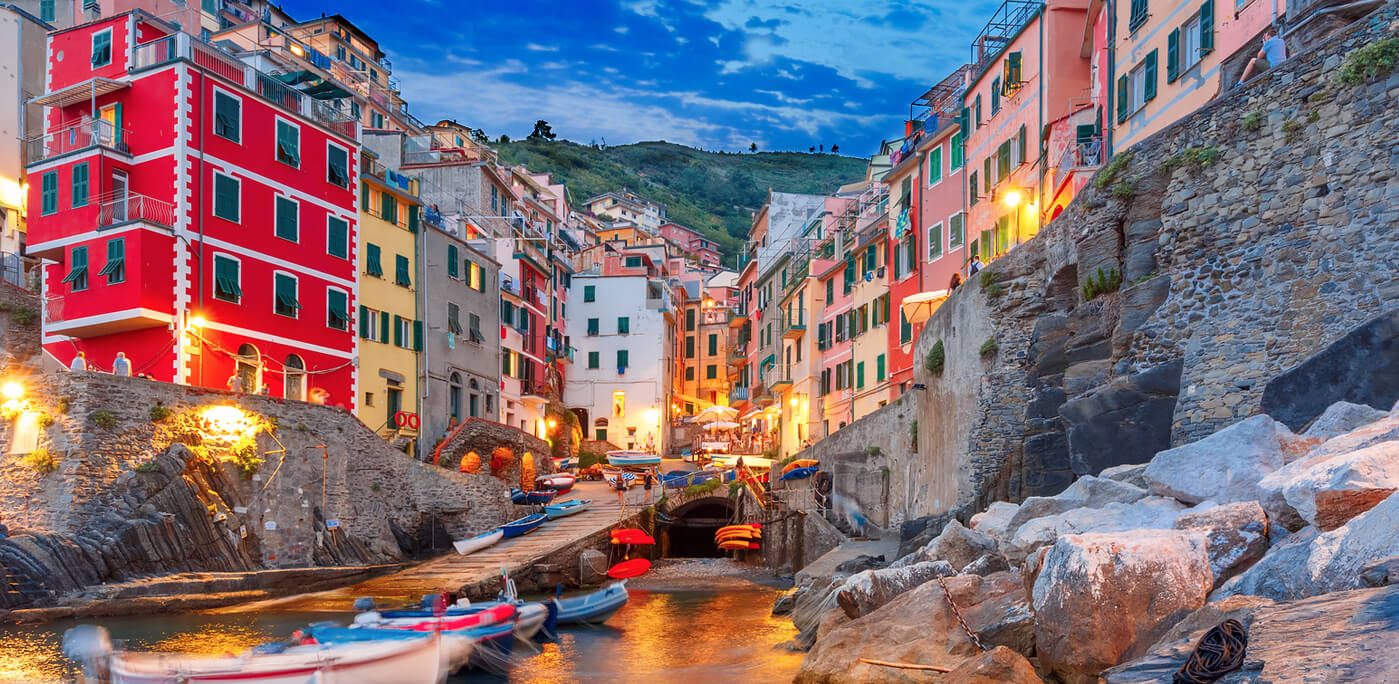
x,y
1232,246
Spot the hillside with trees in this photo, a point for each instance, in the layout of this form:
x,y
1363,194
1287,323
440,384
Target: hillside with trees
x,y
715,193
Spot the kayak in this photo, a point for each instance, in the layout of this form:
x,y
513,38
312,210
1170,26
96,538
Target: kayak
x,y
524,525
737,534
632,458
738,545
631,536
388,661
478,542
629,568
799,473
800,463
564,509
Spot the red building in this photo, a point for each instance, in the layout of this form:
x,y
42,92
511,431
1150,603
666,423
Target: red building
x,y
196,215
704,250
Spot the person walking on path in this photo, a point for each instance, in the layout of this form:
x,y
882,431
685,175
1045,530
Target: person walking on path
x,y
646,481
621,487
79,362
121,365
1273,52
976,265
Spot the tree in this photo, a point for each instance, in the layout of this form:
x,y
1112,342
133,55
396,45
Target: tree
x,y
753,147
542,131
504,138
835,149
478,135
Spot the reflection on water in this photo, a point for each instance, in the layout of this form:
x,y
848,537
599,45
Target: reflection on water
x,y
695,636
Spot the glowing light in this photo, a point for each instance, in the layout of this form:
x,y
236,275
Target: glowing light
x,y
1012,199
227,421
652,414
298,50
12,391
198,322
793,401
553,423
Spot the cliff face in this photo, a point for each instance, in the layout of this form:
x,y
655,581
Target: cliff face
x,y
1232,246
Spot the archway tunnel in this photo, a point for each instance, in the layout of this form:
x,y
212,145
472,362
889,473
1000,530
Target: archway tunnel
x,y
690,531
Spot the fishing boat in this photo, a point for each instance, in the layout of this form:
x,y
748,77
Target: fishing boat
x,y
558,483
629,568
624,457
524,525
564,509
478,542
800,463
457,647
524,498
387,661
799,473
494,614
594,608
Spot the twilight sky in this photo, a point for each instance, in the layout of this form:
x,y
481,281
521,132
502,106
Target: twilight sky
x,y
786,74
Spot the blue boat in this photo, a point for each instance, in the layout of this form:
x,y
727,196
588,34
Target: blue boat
x,y
566,508
594,608
524,525
799,473
523,498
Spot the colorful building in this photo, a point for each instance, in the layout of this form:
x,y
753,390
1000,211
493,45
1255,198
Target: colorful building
x,y
628,206
691,243
212,243
23,39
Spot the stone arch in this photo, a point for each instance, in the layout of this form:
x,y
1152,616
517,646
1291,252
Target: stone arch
x,y
527,471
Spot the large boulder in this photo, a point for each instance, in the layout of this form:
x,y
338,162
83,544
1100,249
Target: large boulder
x,y
1237,532
1309,471
1100,598
994,520
1328,492
1227,465
918,627
1342,417
866,591
1085,492
1125,421
1153,512
1132,474
999,665
1310,563
1348,636
957,545
1362,367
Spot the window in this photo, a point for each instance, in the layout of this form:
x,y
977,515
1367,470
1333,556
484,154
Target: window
x,y
689,373
287,209
473,323
285,303
228,116
1003,161
372,264
1149,77
227,197
972,188
80,185
46,10
453,319
1139,14
49,192
288,143
711,372
77,272
337,166
475,277
987,180
1021,154
227,279
621,361
954,230
633,262
955,151
337,309
689,319
453,266
976,106
623,325
210,6
115,268
1137,93
402,275
879,368
592,327
388,207
830,291
995,95
713,345
935,241
373,325
376,120
934,165
905,328
102,48
860,375
594,360
690,347
589,291
337,237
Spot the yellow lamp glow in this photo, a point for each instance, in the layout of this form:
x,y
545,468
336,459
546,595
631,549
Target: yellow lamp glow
x,y
198,322
1012,199
12,391
553,423
227,421
298,50
793,401
652,414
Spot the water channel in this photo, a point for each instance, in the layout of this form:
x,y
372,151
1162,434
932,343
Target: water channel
x,y
709,635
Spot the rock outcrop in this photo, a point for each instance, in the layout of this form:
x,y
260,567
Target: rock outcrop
x,y
1237,534
1227,465
866,591
1361,367
999,665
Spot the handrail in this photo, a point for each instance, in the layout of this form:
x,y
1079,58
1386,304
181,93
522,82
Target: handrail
x,y
134,207
78,136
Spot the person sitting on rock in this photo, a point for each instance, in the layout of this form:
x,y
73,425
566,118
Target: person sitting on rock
x,y
1273,52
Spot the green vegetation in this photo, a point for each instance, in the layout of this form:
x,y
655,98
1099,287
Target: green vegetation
x,y
41,460
989,347
63,404
937,356
913,437
22,315
714,193
1369,62
103,418
1194,156
1292,130
1109,173
704,487
147,467
245,453
1107,282
1122,190
1253,121
872,451
44,420
159,413
586,459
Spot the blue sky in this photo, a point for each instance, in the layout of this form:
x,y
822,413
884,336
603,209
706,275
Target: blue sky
x,y
785,74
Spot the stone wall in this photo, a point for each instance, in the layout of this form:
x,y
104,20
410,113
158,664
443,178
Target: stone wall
x,y
1246,238
494,442
20,321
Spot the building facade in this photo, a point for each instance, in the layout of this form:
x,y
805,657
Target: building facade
x,y
23,38
624,205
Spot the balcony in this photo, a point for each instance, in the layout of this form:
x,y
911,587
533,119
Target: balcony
x,y
1082,154
738,355
566,356
135,207
738,394
793,327
108,213
737,317
76,138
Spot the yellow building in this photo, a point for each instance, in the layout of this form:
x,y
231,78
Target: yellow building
x,y
870,311
627,234
391,336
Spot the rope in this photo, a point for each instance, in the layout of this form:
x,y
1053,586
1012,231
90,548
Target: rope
x,y
1219,651
961,621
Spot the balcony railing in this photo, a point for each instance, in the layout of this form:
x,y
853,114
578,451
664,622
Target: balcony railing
x,y
183,46
135,207
1082,154
794,325
738,394
95,133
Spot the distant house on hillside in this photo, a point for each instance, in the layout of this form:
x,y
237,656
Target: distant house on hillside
x,y
625,205
687,240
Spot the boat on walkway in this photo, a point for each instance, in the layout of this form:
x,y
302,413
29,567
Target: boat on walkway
x,y
564,509
799,473
557,482
623,458
524,525
594,608
473,544
524,498
417,660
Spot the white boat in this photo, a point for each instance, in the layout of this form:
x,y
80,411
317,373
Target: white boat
x,y
407,661
478,542
529,620
632,458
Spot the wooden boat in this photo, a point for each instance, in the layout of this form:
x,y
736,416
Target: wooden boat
x,y
629,568
457,647
524,525
523,498
557,483
800,463
387,661
478,542
593,608
799,473
564,509
631,536
632,458
499,612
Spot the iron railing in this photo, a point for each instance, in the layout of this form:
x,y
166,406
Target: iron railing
x,y
134,207
1082,154
79,136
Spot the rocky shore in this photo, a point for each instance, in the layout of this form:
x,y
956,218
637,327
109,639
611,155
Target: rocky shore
x,y
1294,534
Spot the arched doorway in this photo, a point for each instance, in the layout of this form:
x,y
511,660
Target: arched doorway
x,y
690,533
454,396
527,471
249,368
294,378
473,398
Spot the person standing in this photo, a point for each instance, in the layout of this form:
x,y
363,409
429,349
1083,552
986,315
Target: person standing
x,y
975,266
121,365
621,486
235,383
646,481
79,362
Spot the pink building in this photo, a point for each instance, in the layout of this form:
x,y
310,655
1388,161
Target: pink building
x,y
704,250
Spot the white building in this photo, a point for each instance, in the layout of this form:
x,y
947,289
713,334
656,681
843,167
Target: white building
x,y
622,322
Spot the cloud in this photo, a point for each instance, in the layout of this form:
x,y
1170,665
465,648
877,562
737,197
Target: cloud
x,y
536,47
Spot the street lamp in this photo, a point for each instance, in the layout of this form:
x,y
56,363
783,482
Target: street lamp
x,y
1012,202
12,391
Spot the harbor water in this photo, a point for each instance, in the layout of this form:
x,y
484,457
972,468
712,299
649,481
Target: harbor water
x,y
723,634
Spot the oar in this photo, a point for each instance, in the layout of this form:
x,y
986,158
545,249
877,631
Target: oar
x,y
905,666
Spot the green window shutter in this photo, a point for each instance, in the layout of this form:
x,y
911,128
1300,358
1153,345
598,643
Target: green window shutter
x,y
372,263
830,291
1121,98
507,313
413,218
226,279
1149,90
226,190
397,330
1012,70
995,95
453,263
337,237
713,345
284,288
955,144
621,361
589,293
592,326
384,327
954,231
337,309
286,218
388,209
102,48
364,198
115,268
80,184
288,143
879,368
402,276
77,273
977,112
1173,55
363,321
986,175
417,335
50,192
871,254
1207,27
226,116
1003,161
1023,141
593,359
972,188
689,347
935,165
964,119
623,325
337,167
860,375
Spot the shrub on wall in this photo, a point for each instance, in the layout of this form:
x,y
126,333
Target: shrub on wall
x,y
245,453
1107,282
103,418
937,356
989,347
41,460
1369,62
159,413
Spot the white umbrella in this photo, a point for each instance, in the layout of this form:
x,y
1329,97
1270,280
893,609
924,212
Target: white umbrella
x,y
918,307
714,413
722,425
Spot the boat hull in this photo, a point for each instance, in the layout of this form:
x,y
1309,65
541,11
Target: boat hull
x,y
478,542
632,458
567,508
409,661
523,526
594,608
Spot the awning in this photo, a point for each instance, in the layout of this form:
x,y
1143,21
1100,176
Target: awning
x,y
79,92
919,307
